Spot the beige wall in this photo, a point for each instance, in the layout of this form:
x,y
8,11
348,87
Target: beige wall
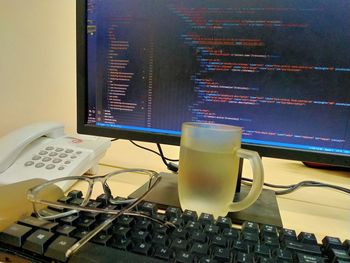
x,y
37,73
37,62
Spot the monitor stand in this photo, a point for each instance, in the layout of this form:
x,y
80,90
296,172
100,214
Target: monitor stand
x,y
264,210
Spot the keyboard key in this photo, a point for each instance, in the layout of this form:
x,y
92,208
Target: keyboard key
x,y
211,230
142,248
183,257
305,258
123,244
192,226
160,240
70,220
303,248
224,222
149,208
38,241
219,241
58,248
207,260
121,232
199,249
262,250
240,246
179,244
222,254
103,199
177,221
338,254
250,227
307,238
163,253
75,194
180,233
272,242
288,234
199,236
102,238
172,212
244,258
346,244
231,233
38,223
15,235
65,199
86,223
189,215
66,230
144,224
206,219
126,221
331,242
284,255
268,231
141,236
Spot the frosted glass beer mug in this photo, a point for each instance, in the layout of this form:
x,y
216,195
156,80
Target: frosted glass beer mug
x,y
208,169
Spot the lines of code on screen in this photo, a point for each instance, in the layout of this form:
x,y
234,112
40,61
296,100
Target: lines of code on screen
x,y
279,69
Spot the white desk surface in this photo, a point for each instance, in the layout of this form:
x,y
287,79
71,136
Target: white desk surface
x,y
321,211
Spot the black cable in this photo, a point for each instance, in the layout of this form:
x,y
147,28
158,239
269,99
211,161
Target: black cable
x,y
150,150
171,166
161,154
288,188
294,187
115,139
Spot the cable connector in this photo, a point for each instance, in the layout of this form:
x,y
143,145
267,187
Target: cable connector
x,y
173,167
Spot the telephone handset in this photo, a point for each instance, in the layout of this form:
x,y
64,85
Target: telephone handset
x,y
42,150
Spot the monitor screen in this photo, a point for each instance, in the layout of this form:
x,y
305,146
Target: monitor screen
x,y
280,69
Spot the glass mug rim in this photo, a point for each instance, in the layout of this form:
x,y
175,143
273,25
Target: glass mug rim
x,y
213,126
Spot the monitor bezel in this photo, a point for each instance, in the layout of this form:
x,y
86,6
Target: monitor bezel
x,y
84,128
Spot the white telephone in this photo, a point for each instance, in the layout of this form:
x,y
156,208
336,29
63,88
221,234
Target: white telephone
x,y
42,150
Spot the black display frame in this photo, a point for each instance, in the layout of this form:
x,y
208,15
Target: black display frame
x,y
83,127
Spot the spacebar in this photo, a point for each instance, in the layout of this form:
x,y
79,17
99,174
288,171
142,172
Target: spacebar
x,y
96,253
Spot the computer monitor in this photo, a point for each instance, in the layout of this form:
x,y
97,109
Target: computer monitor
x,y
279,69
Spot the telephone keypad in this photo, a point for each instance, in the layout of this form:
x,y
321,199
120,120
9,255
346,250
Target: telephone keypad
x,y
50,156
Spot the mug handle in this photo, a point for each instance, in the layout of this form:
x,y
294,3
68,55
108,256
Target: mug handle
x,y
258,180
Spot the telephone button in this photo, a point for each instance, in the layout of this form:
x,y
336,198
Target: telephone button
x,y
50,166
29,163
53,154
69,151
59,149
43,152
46,159
49,148
39,165
63,155
36,157
67,162
61,168
57,160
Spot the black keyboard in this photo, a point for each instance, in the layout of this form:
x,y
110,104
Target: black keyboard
x,y
196,238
